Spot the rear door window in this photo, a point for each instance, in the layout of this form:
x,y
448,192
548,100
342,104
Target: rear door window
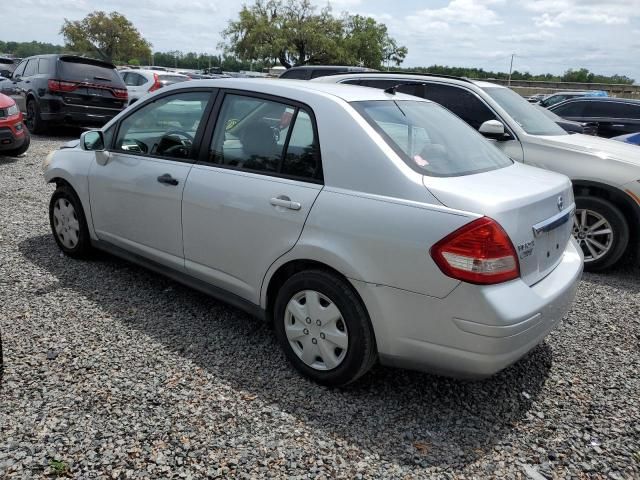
x,y
265,136
571,109
31,68
461,102
298,74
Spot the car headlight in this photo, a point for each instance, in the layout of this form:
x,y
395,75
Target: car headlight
x,y
13,110
47,160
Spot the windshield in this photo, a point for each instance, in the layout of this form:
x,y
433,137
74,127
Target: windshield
x,y
431,139
523,113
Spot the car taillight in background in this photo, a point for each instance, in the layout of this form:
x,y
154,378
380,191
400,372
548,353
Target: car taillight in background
x,y
61,86
479,252
156,83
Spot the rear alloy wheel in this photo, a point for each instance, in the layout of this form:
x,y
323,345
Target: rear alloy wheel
x,y
324,328
601,231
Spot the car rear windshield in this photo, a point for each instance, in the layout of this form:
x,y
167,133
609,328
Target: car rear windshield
x,y
431,139
169,79
532,121
87,70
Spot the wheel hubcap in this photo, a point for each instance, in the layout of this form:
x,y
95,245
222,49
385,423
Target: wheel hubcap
x,y
593,233
316,330
65,223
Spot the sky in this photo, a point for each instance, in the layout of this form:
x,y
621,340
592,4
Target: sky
x,y
545,35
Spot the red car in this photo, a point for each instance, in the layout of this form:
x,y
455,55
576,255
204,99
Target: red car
x,y
14,136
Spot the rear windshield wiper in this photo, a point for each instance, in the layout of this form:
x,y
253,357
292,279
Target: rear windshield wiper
x,y
102,78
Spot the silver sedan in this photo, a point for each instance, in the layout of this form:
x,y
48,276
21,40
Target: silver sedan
x,y
366,226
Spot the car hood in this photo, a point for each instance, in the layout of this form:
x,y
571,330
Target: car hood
x,y
71,144
600,147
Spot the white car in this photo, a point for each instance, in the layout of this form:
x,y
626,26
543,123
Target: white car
x,y
141,82
363,225
605,174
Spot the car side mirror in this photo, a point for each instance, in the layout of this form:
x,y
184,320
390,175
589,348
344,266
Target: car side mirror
x,y
93,140
16,78
493,129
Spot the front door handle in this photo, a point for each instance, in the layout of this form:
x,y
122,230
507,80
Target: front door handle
x,y
167,179
285,202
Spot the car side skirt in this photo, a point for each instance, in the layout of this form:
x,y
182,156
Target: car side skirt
x,y
180,277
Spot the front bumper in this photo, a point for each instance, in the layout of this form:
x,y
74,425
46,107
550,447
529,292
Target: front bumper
x,y
13,134
475,331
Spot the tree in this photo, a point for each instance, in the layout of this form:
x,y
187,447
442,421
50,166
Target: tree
x,y
112,36
293,32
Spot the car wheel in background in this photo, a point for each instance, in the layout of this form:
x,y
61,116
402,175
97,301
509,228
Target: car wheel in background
x,y
602,232
33,120
68,223
324,328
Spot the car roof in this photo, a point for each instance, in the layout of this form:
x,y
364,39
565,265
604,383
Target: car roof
x,y
329,67
406,76
147,70
296,88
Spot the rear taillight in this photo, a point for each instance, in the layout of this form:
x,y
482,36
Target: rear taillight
x,y
156,83
121,93
61,86
479,252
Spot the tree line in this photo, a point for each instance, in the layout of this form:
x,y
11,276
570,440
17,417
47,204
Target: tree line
x,y
268,33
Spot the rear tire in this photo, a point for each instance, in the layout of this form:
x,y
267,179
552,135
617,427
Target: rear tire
x,y
34,121
22,149
334,343
68,223
602,232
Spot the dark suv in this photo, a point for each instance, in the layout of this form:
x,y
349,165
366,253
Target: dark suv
x,y
614,116
66,89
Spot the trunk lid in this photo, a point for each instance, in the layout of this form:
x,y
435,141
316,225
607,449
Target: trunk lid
x,y
519,198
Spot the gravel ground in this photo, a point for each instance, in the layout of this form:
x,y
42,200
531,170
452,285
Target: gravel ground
x,y
112,371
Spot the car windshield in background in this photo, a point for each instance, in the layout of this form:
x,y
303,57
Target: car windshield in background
x,y
526,115
81,70
430,139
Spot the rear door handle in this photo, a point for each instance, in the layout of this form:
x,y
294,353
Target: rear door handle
x,y
167,179
285,202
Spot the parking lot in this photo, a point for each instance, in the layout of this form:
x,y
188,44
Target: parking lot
x,y
113,370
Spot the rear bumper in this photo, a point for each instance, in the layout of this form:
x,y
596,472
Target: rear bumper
x,y
54,109
475,331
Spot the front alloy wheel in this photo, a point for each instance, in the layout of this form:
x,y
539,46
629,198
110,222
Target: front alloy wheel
x,y
602,232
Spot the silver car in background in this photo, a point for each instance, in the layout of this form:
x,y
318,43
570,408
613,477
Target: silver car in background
x,y
364,225
605,174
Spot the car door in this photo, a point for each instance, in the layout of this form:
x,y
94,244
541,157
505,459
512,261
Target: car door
x,y
136,195
246,201
620,119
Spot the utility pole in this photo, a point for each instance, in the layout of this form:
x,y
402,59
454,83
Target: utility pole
x,y
510,69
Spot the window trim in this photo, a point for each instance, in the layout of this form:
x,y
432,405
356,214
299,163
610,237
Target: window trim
x,y
203,158
197,140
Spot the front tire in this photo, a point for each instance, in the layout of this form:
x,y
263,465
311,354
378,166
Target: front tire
x,y
324,328
68,223
601,231
34,121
